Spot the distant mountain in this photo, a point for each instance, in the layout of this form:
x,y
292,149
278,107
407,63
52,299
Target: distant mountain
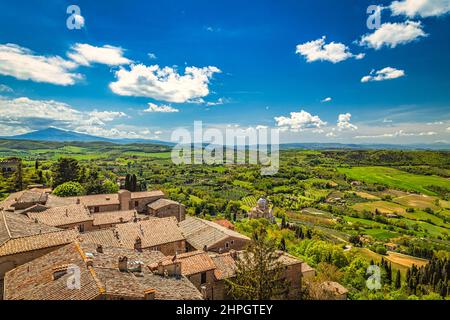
x,y
59,135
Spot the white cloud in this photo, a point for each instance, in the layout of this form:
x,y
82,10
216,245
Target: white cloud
x,y
317,50
5,88
399,133
85,54
152,56
343,122
393,34
27,114
299,121
328,99
219,102
422,8
387,73
155,108
23,64
331,134
163,83
107,115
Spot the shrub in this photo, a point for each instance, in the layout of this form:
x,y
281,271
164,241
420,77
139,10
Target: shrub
x,y
69,189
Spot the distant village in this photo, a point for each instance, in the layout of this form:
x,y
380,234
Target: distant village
x,y
127,245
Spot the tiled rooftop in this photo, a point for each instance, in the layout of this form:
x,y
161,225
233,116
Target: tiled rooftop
x,y
194,262
35,281
114,217
161,203
61,216
152,232
200,233
18,234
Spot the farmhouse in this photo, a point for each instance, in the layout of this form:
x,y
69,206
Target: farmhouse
x,y
105,274
209,236
9,165
261,210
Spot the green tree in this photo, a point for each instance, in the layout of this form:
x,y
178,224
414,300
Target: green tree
x,y
69,189
66,170
18,177
259,273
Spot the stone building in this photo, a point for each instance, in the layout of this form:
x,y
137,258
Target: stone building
x,y
104,274
261,210
163,208
67,217
124,200
198,267
9,165
22,240
209,236
226,269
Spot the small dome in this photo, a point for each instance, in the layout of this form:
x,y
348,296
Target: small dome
x,y
262,203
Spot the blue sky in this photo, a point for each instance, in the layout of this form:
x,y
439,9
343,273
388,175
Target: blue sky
x,y
310,68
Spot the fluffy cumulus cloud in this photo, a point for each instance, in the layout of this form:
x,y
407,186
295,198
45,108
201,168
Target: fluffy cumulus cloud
x,y
393,34
23,64
422,8
23,114
299,121
86,54
387,73
318,50
164,84
163,108
344,123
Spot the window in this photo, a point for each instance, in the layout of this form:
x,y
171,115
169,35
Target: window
x,y
81,227
203,278
232,242
96,209
227,245
136,204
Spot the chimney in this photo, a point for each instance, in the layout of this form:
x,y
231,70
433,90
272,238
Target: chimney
x,y
123,264
100,248
89,262
124,200
121,219
78,201
149,294
138,244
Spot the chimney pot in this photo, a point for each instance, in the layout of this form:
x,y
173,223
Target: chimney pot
x,y
123,264
100,248
138,244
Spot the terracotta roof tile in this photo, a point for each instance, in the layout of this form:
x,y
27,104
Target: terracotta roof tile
x,y
200,233
114,217
194,262
161,203
61,216
35,281
153,232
